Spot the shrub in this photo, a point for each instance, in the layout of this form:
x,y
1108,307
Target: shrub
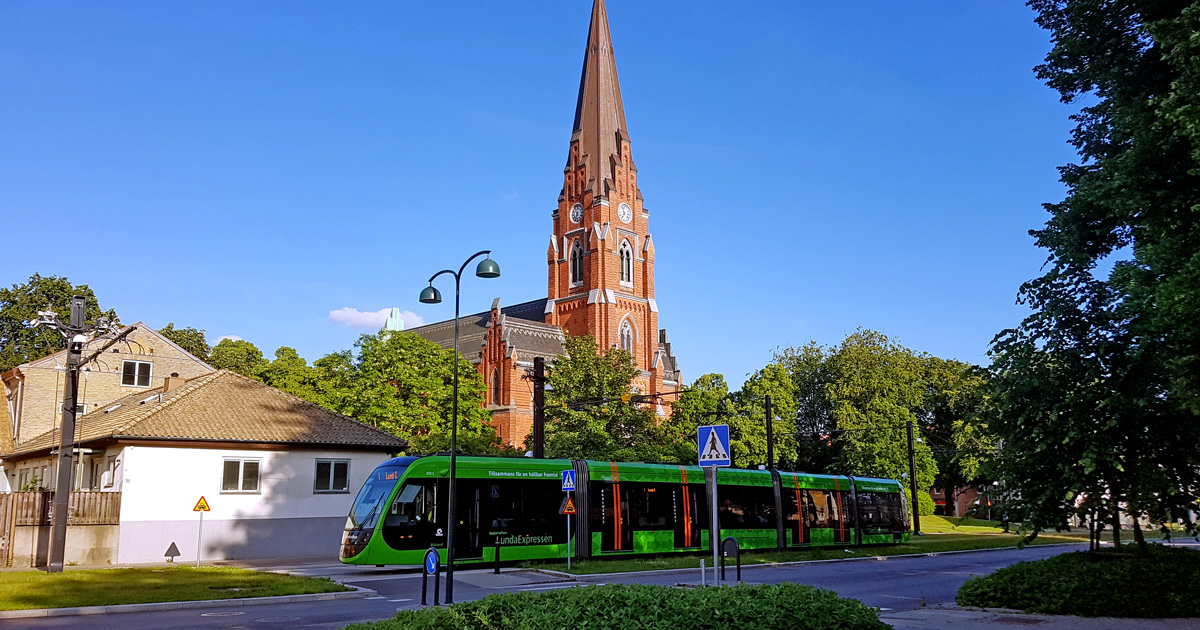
x,y
1165,582
626,607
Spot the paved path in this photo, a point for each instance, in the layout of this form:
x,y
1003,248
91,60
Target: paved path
x,y
915,592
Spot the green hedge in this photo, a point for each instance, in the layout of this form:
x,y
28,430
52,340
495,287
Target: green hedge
x,y
1165,582
642,607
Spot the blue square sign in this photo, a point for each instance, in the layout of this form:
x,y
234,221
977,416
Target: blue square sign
x,y
568,477
713,445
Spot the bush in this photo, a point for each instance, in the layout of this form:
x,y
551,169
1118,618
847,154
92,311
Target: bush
x,y
1165,582
637,606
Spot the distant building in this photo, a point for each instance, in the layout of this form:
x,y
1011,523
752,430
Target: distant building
x,y
394,322
600,263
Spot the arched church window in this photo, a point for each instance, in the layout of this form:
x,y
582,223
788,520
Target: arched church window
x,y
626,336
576,263
626,263
496,387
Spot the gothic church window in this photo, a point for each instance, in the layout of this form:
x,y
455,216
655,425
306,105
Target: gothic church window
x,y
495,387
626,264
576,263
626,336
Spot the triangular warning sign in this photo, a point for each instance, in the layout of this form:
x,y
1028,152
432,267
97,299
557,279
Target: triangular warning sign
x,y
201,506
568,506
713,449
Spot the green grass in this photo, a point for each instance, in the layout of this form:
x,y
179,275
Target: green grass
x,y
626,607
105,587
942,534
1165,582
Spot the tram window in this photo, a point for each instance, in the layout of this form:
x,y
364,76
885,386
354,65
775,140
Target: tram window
x,y
503,504
240,475
654,505
746,507
880,512
413,505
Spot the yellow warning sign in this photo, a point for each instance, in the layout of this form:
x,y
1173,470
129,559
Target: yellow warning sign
x,y
568,506
201,506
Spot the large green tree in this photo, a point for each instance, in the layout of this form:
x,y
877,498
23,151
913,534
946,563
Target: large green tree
x,y
289,372
403,384
239,355
1097,393
19,305
705,401
188,338
578,426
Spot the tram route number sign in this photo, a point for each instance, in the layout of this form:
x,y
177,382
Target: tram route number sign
x,y
201,506
713,445
568,479
567,507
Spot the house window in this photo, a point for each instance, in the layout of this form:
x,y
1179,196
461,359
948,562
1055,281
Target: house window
x,y
110,471
240,475
135,373
333,475
626,264
576,263
626,336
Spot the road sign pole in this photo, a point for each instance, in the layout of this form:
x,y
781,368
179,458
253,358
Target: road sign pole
x,y
199,539
716,532
568,538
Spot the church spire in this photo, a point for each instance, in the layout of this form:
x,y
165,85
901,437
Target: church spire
x,y
599,114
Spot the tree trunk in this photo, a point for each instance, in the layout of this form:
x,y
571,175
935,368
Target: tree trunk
x,y
1138,537
1116,518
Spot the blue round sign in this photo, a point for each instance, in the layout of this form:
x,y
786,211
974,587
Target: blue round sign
x,y
432,560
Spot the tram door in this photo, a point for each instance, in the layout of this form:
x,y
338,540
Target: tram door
x,y
616,531
797,508
689,515
468,535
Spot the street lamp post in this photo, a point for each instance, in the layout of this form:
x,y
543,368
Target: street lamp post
x,y
487,268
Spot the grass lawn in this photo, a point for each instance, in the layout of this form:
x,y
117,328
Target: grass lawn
x,y
942,534
1163,582
104,587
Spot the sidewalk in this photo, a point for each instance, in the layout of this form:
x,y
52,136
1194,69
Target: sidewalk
x,y
999,619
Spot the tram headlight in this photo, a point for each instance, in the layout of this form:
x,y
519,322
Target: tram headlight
x,y
354,541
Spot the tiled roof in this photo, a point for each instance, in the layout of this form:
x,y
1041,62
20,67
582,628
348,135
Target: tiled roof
x,y
222,406
473,328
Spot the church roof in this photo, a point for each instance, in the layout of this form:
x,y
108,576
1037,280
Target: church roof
x,y
473,328
599,113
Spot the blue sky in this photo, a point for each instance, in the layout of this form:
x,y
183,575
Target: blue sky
x,y
264,170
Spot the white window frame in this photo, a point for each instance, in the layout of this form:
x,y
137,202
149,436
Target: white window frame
x,y
626,254
241,480
136,371
332,475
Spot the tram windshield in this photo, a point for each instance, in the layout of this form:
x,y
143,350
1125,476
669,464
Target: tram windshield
x,y
368,503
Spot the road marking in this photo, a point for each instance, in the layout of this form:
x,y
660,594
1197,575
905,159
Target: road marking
x,y
376,597
899,597
550,588
375,578
400,600
223,613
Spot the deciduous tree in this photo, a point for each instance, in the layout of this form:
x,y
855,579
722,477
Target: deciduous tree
x,y
19,305
238,355
187,338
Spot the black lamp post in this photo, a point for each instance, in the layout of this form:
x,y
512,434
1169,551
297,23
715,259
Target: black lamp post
x,y
487,268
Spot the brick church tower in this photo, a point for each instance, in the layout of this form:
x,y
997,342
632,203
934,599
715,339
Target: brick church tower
x,y
600,263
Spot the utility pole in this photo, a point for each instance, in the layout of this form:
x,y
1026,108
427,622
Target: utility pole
x,y
912,476
539,407
770,436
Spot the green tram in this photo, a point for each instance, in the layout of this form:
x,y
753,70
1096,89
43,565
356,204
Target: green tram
x,y
622,509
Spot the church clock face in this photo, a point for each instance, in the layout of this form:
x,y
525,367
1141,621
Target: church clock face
x,y
576,213
624,213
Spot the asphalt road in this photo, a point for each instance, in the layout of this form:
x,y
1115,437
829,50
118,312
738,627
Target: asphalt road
x,y
892,583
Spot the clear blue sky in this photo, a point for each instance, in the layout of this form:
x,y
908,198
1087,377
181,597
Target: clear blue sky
x,y
253,169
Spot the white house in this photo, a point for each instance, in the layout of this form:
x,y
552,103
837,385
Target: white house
x,y
278,472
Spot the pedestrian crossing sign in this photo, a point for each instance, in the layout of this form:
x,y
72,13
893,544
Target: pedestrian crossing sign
x,y
713,445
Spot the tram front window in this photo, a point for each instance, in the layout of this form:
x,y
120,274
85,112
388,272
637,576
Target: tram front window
x,y
364,513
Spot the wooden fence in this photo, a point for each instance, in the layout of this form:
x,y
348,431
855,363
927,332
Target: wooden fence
x,y
32,509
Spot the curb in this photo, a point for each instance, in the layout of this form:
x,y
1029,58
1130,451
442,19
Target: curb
x,y
357,593
929,554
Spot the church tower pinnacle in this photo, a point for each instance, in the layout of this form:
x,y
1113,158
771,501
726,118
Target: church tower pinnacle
x,y
601,257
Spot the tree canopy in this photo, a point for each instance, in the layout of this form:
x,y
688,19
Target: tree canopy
x,y
238,355
20,342
617,430
187,338
1097,393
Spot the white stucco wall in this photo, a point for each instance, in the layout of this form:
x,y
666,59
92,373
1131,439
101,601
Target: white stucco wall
x,y
285,518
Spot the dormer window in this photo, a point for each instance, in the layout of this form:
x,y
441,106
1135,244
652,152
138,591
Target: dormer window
x,y
576,264
626,264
